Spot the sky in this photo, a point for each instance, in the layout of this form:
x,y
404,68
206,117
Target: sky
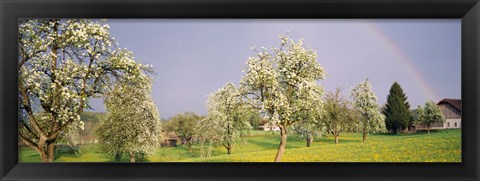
x,y
193,58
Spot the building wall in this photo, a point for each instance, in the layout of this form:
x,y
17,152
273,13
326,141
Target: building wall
x,y
269,127
452,115
450,112
453,123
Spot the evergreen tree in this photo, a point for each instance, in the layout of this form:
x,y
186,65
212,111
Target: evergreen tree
x,y
397,110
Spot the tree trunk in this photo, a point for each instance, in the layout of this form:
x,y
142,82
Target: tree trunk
x,y
132,157
397,130
428,130
47,152
51,150
189,146
142,157
44,153
118,157
364,134
283,142
229,150
335,135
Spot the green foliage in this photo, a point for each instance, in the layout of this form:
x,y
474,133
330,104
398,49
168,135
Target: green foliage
x,y
184,125
338,116
91,116
397,110
91,121
65,149
253,117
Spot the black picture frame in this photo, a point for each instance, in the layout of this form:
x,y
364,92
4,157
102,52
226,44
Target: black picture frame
x,y
466,10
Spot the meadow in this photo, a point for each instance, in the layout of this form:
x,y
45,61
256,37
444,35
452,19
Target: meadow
x,y
260,146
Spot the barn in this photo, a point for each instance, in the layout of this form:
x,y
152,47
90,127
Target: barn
x,y
452,110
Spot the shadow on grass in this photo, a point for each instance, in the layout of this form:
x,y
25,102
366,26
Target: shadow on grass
x,y
331,140
419,132
270,144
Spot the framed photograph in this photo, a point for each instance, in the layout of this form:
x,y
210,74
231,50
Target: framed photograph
x,y
239,90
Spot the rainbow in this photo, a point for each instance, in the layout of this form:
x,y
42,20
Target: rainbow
x,y
403,58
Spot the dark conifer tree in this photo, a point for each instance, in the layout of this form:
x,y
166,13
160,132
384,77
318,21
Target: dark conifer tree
x,y
397,110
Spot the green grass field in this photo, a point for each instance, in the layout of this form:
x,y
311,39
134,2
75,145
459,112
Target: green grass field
x,y
439,146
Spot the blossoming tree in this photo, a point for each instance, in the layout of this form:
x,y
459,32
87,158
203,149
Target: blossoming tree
x,y
283,84
365,102
210,135
63,63
429,113
132,124
229,112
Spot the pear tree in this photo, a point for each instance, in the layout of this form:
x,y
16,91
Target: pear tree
x,y
365,103
62,63
132,123
282,83
228,110
430,113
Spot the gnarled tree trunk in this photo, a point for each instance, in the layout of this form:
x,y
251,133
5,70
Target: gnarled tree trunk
x,y
46,149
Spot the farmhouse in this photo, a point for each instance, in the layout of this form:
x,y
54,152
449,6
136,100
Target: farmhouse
x,y
452,110
267,126
170,140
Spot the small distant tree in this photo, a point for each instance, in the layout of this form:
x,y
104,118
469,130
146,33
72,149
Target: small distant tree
x,y
132,123
309,131
91,120
338,116
365,103
227,108
185,126
210,135
253,117
397,110
429,114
